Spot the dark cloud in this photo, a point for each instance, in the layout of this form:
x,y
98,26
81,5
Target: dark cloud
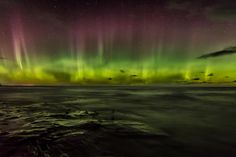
x,y
213,9
223,12
228,51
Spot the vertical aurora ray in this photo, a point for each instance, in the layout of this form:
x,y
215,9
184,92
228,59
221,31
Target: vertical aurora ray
x,y
100,48
19,44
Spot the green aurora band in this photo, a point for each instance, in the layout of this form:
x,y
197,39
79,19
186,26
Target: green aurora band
x,y
96,70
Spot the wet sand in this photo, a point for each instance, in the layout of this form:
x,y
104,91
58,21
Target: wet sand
x,y
117,121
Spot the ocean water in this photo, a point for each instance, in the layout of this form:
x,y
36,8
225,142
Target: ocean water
x,y
118,121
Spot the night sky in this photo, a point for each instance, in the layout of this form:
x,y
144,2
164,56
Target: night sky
x,y
122,41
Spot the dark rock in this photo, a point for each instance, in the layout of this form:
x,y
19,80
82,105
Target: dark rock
x,y
211,74
196,78
122,71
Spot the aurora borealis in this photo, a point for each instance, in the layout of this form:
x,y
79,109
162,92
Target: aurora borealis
x,y
122,42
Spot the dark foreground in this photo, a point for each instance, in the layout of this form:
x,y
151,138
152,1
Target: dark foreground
x,y
117,121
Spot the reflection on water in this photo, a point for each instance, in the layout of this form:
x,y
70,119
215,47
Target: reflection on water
x,y
117,121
